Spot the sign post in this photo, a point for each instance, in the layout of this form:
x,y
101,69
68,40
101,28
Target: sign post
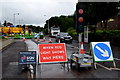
x,y
102,52
27,58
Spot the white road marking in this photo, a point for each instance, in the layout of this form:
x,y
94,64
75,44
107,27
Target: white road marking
x,y
115,68
103,66
117,59
107,67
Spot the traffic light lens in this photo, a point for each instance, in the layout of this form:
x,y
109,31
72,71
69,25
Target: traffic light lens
x,y
80,11
80,19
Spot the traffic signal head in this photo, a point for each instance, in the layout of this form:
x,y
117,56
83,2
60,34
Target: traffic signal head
x,y
80,11
80,17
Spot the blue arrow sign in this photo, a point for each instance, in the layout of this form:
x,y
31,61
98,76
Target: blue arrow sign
x,y
102,51
36,35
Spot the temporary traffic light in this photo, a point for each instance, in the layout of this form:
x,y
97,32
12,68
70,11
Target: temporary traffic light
x,y
80,17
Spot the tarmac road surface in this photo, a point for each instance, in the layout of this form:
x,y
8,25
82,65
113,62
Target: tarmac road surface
x,y
56,71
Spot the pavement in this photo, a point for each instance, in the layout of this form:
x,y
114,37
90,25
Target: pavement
x,y
0,65
10,60
4,43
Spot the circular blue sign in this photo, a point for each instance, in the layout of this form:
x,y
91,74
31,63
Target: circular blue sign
x,y
102,51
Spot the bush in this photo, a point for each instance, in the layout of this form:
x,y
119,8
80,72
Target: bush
x,y
72,31
111,33
108,35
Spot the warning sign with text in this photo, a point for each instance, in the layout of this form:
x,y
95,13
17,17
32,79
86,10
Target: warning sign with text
x,y
49,53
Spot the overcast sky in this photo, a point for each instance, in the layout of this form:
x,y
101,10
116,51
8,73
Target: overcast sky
x,y
35,12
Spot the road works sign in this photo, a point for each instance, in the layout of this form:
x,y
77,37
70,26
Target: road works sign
x,y
102,51
51,53
27,57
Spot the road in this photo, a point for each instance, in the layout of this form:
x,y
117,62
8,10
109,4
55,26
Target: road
x,y
47,71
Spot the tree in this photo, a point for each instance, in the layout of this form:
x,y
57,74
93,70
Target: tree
x,y
5,23
64,22
101,11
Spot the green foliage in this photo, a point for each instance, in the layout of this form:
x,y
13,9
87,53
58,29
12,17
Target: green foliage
x,y
17,36
64,22
106,35
71,31
99,32
115,33
111,33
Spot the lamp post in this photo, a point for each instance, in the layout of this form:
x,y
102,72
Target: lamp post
x,y
14,17
48,25
20,22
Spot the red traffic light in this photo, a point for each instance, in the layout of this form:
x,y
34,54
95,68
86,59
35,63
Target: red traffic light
x,y
80,11
80,19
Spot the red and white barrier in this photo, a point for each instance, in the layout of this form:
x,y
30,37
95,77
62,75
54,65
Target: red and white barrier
x,y
81,48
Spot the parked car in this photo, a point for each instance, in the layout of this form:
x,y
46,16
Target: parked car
x,y
64,37
41,35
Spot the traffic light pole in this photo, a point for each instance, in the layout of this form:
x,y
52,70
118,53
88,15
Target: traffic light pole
x,y
80,37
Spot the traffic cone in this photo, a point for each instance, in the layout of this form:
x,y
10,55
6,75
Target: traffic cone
x,y
44,39
58,40
23,39
38,38
50,40
82,48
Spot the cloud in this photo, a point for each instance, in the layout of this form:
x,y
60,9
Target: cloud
x,y
33,11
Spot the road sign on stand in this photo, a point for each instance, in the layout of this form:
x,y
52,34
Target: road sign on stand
x,y
102,51
27,58
52,53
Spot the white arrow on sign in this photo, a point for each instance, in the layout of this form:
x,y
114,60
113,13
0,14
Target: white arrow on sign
x,y
105,53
